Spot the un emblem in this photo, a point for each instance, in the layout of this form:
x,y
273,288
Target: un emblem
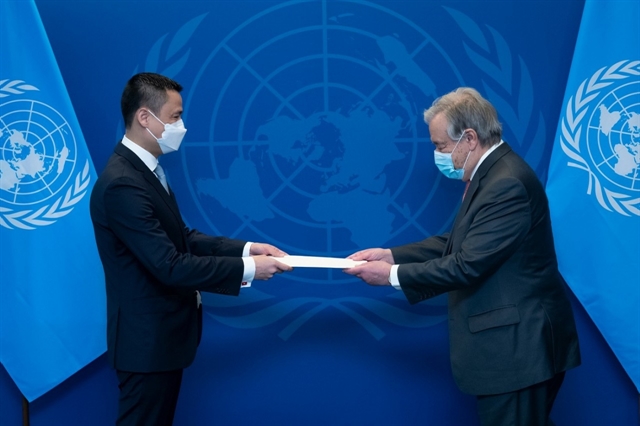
x,y
601,135
303,133
37,162
311,137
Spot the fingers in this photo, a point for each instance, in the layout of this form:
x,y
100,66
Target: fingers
x,y
373,273
354,256
274,251
352,271
266,249
361,255
268,266
283,267
370,254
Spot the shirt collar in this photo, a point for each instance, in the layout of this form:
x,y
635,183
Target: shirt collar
x,y
147,158
484,156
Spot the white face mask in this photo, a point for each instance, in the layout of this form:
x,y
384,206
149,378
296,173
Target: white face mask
x,y
171,137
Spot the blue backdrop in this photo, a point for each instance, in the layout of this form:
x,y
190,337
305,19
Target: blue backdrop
x,y
305,131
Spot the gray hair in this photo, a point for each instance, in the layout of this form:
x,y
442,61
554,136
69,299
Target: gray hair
x,y
465,108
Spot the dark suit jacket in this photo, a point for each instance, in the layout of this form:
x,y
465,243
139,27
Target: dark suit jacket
x,y
153,264
510,321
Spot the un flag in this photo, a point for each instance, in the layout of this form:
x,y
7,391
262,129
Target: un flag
x,y
594,176
52,313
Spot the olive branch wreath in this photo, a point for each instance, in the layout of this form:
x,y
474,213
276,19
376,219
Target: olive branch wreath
x,y
48,214
14,87
577,107
516,108
168,56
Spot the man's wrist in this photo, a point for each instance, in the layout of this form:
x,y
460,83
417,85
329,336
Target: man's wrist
x,y
249,271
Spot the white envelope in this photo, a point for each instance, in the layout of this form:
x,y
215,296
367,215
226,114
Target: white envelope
x,y
319,262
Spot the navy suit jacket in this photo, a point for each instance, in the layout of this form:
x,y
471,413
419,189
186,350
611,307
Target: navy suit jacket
x,y
510,321
153,266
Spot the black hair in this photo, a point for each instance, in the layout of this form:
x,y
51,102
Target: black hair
x,y
145,89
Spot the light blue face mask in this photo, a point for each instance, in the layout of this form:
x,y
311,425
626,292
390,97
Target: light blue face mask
x,y
444,162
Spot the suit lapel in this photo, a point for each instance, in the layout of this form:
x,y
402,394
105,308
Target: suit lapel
x,y
473,188
151,178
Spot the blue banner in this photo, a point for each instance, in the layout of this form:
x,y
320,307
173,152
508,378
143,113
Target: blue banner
x,y
52,312
594,176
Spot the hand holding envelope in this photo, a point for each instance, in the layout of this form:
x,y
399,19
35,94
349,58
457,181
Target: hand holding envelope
x,y
373,254
265,256
376,269
371,265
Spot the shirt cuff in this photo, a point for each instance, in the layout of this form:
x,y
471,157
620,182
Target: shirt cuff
x,y
393,277
247,249
249,271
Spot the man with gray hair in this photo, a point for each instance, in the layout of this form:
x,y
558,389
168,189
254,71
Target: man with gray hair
x,y
511,327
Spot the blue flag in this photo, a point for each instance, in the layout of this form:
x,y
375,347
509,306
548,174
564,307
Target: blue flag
x,y
594,176
52,301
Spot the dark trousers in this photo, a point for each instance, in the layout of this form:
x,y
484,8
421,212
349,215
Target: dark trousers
x,y
525,407
148,398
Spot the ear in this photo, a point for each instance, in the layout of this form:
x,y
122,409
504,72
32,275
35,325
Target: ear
x,y
471,137
143,116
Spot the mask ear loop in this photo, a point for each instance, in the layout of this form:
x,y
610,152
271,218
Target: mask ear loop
x,y
154,136
454,148
458,141
466,159
154,116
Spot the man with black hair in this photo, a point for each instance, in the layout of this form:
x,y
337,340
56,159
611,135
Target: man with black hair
x,y
154,265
